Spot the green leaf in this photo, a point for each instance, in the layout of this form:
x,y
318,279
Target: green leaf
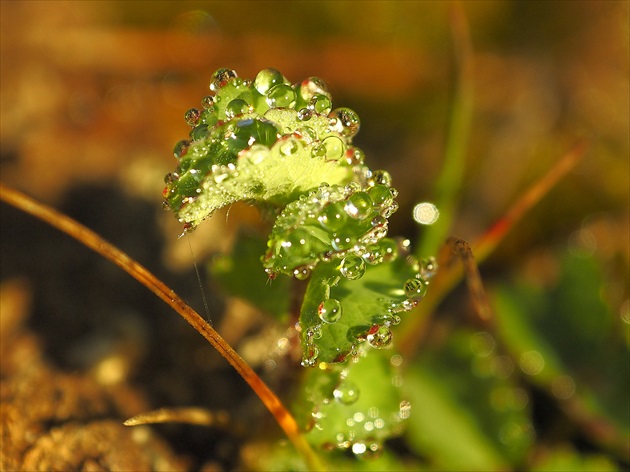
x,y
564,459
354,406
228,270
369,307
469,411
566,340
263,141
329,222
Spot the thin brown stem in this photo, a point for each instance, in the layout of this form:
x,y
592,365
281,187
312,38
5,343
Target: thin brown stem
x,y
447,277
92,240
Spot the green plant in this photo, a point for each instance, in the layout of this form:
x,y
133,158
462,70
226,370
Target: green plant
x,y
284,148
469,410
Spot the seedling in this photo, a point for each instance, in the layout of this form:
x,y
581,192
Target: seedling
x,y
286,150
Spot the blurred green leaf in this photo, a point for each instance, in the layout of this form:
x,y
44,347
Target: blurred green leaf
x,y
469,412
354,406
567,341
241,275
564,459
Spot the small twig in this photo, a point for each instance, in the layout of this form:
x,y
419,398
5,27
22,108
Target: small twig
x,y
489,241
191,415
92,240
448,276
461,249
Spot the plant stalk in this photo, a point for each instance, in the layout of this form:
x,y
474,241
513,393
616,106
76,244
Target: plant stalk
x,y
92,240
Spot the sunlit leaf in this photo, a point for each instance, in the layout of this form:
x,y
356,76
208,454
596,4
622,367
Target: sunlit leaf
x,y
368,308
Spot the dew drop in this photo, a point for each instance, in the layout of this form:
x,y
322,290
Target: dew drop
x,y
308,134
334,148
428,267
333,217
416,287
381,338
311,87
298,241
317,331
289,147
359,205
347,121
257,153
281,96
380,194
267,79
341,242
350,188
208,102
192,116
388,248
318,151
221,77
181,148
199,132
346,392
170,178
352,267
310,356
381,177
236,107
302,273
320,104
330,310
390,209
305,114
384,250
354,156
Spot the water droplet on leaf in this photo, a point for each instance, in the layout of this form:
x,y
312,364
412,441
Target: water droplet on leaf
x,y
359,205
320,104
302,273
381,177
341,242
267,79
347,121
236,107
221,77
281,96
333,217
352,267
305,114
330,310
290,147
192,116
380,194
181,148
381,338
334,148
416,287
311,87
208,102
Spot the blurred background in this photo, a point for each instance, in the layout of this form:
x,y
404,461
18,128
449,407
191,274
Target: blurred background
x,y
93,96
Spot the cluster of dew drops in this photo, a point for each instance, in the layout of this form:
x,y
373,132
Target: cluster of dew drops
x,y
369,196
270,84
240,115
380,334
